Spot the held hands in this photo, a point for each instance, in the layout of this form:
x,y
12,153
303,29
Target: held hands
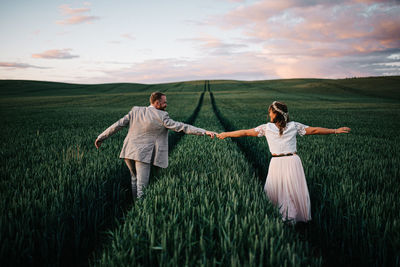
x,y
211,134
218,135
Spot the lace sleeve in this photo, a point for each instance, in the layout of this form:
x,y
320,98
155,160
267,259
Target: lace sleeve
x,y
260,130
301,128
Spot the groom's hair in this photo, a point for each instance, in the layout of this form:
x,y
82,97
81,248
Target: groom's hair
x,y
155,96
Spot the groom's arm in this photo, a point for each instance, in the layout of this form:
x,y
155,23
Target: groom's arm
x,y
183,127
124,121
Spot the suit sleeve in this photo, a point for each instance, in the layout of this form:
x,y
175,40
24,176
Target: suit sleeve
x,y
182,127
124,121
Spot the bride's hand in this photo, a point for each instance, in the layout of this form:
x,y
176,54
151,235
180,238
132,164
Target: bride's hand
x,y
343,130
222,135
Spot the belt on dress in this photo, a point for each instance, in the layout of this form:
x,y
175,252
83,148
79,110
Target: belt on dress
x,y
284,155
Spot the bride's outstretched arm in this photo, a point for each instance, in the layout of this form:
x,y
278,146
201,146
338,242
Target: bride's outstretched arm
x,y
320,130
239,133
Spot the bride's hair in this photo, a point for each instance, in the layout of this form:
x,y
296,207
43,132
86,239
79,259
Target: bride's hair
x,y
281,115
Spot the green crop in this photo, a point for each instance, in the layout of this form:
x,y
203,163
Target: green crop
x,y
65,203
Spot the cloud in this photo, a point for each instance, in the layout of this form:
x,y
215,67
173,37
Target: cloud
x,y
309,38
77,20
334,28
75,15
215,46
394,56
56,54
19,65
71,11
249,65
245,67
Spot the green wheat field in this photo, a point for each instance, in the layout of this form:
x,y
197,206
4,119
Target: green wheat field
x,y
65,203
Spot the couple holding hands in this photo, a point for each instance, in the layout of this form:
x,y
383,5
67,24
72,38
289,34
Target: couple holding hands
x,y
146,144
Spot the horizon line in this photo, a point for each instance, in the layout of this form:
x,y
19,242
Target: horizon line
x,y
188,81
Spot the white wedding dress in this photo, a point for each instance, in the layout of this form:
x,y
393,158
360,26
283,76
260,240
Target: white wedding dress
x,y
286,185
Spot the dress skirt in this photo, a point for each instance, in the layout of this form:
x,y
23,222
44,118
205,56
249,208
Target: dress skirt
x,y
286,187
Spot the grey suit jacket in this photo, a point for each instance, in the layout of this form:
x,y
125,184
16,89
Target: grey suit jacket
x,y
148,134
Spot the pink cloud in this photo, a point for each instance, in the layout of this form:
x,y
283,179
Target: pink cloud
x,y
70,11
169,70
244,66
55,54
19,65
257,12
75,15
214,46
78,20
334,28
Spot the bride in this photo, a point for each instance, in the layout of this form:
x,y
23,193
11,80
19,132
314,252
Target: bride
x,y
286,185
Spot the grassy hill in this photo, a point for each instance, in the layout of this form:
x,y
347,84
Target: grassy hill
x,y
42,88
381,87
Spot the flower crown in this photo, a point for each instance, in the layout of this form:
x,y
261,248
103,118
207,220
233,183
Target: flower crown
x,y
284,114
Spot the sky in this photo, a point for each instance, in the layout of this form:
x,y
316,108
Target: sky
x,y
168,41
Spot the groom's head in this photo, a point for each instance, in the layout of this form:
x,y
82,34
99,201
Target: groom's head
x,y
158,100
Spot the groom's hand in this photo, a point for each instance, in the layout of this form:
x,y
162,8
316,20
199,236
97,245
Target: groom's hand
x,y
97,143
211,134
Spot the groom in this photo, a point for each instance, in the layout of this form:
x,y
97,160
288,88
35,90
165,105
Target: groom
x,y
147,140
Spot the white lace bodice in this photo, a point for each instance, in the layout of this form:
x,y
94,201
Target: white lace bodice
x,y
286,143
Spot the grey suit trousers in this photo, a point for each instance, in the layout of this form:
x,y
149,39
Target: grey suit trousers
x,y
141,179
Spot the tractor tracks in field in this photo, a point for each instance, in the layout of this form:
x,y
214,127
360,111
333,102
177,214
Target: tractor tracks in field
x,y
244,146
175,137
